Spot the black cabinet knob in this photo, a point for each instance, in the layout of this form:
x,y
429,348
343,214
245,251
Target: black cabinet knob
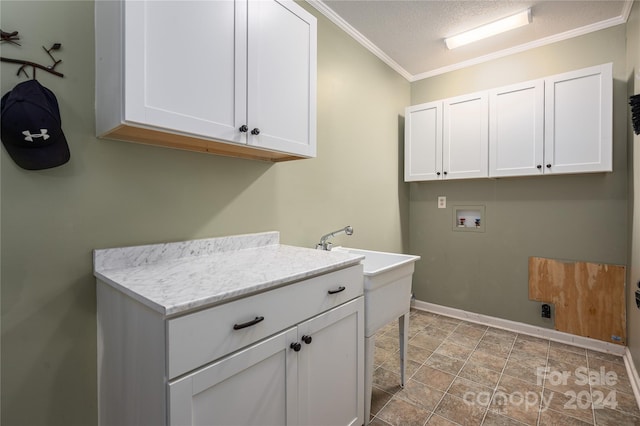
x,y
255,131
244,128
445,173
306,339
438,173
296,346
548,166
539,166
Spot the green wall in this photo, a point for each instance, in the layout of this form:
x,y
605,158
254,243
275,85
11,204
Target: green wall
x,y
116,193
579,217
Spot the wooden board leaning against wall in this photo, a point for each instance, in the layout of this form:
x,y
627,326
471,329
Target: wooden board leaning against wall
x,y
589,298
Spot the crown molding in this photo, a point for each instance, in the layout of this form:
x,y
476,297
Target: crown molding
x,y
356,35
526,46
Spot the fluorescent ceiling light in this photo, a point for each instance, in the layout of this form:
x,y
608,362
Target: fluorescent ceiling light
x,y
515,21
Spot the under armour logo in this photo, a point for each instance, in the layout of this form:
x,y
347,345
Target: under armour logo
x,y
29,137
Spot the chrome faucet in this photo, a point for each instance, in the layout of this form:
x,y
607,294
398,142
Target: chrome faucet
x,y
324,244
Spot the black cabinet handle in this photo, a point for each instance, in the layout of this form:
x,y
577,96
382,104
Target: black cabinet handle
x,y
438,173
548,166
255,131
306,339
296,346
248,323
445,173
338,290
539,166
244,128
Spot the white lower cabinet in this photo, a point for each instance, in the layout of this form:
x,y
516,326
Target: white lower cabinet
x,y
331,367
291,355
309,374
256,386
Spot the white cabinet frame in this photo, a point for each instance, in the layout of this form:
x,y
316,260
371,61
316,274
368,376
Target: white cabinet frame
x,y
447,139
555,125
516,129
238,78
579,121
423,142
465,137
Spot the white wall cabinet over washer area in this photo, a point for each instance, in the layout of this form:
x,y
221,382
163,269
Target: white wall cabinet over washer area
x,y
447,139
516,129
555,125
229,77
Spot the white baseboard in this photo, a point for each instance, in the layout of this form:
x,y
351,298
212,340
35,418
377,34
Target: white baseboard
x,y
545,333
519,327
633,375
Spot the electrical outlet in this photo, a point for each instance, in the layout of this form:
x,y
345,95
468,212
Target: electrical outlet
x,y
442,202
546,311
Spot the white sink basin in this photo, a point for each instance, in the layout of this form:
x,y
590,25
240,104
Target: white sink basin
x,y
387,286
387,298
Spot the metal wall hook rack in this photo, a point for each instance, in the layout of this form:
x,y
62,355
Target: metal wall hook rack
x,y
11,38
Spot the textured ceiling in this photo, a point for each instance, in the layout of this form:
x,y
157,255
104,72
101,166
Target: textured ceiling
x,y
409,34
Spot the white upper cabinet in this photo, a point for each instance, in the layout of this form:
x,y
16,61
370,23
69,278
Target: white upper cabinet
x,y
183,72
516,129
282,76
423,142
447,139
579,121
465,137
231,77
559,124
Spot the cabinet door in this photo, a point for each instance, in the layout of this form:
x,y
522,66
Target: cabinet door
x,y
256,386
516,130
331,367
423,142
465,146
282,77
185,66
578,121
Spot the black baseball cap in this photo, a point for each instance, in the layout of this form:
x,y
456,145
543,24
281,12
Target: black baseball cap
x,y
30,127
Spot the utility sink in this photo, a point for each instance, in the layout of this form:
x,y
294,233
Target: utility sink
x,y
387,286
387,297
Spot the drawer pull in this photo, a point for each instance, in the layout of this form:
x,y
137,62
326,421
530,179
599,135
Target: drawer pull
x,y
338,290
296,346
307,339
248,323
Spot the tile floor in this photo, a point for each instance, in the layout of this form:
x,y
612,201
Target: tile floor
x,y
462,373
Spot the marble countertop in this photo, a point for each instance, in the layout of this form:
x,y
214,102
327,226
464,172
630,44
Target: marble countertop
x,y
174,278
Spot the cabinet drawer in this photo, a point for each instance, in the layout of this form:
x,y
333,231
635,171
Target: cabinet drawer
x,y
201,337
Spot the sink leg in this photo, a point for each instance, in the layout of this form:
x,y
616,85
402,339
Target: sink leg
x,y
369,343
369,346
403,329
